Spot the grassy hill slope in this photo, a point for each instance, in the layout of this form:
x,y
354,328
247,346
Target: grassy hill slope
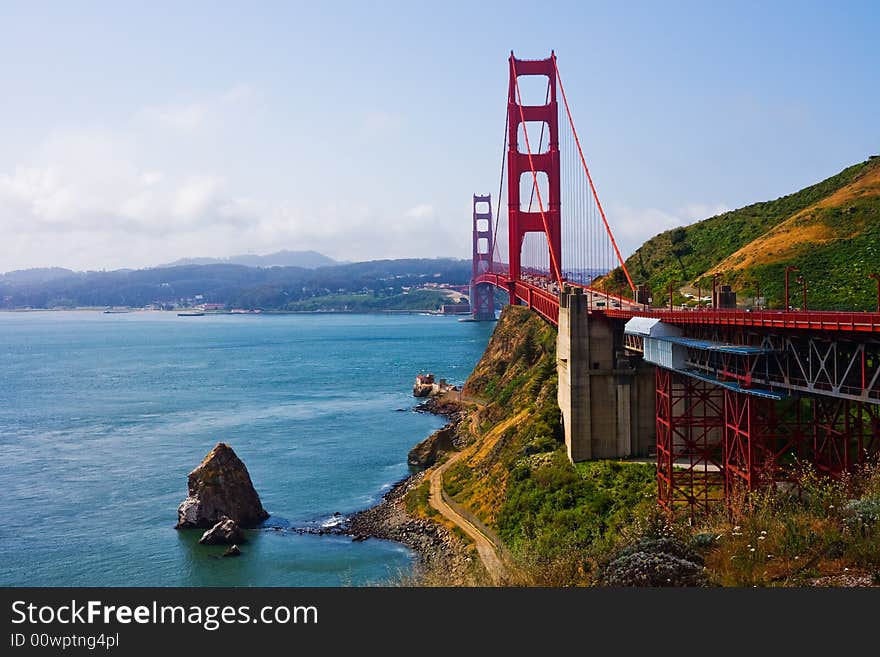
x,y
518,480
830,230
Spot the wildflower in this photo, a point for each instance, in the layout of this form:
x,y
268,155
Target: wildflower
x,y
751,549
764,532
761,538
736,529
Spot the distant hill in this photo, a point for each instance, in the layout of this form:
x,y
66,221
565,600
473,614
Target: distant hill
x,y
305,259
830,231
376,284
36,275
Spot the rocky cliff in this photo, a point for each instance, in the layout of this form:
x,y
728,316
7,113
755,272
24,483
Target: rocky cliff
x,y
426,453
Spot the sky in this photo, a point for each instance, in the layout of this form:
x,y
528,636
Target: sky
x,y
133,134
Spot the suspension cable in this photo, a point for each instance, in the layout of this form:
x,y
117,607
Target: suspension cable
x,y
555,264
500,190
590,178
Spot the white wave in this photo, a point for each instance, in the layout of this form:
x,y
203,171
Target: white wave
x,y
333,521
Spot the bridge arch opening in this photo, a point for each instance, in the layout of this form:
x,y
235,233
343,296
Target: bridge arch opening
x,y
535,256
539,137
532,90
529,196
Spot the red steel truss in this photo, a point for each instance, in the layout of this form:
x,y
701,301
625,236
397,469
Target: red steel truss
x,y
716,443
689,442
761,436
844,434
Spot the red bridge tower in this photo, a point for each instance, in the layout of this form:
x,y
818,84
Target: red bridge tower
x,y
523,161
482,294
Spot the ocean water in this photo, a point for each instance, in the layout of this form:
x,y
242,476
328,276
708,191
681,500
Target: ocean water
x,y
103,415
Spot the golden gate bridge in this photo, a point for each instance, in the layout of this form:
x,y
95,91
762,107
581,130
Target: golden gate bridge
x,y
737,398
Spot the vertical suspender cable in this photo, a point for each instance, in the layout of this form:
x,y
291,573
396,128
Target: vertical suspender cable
x,y
589,177
500,189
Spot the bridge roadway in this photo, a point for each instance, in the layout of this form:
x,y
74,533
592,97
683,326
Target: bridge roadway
x,y
543,297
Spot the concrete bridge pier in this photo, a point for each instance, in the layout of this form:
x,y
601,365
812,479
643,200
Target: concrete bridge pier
x,y
607,399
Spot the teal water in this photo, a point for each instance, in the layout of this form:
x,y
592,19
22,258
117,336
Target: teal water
x,y
102,417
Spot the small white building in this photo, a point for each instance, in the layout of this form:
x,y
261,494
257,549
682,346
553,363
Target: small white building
x,y
657,350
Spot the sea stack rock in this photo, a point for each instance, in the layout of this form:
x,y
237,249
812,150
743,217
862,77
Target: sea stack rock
x,y
220,486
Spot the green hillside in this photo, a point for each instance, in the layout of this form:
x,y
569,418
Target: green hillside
x,y
830,231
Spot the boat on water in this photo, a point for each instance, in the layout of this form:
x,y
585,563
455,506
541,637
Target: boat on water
x,y
193,313
116,311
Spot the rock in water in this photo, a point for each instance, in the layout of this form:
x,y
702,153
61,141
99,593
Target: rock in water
x,y
220,486
226,531
232,551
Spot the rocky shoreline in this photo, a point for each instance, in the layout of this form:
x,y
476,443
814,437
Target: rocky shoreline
x,y
439,550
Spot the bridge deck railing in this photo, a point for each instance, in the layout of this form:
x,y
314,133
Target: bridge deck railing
x,y
543,297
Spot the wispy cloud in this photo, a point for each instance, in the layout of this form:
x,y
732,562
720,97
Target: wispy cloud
x,y
191,115
180,117
86,199
421,212
118,196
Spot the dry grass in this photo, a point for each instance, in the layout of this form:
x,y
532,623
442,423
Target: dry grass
x,y
483,495
779,244
866,185
780,539
783,241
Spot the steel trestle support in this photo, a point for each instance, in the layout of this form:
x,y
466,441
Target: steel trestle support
x,y
689,438
719,444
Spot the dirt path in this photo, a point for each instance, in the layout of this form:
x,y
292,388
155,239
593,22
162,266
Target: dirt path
x,y
485,548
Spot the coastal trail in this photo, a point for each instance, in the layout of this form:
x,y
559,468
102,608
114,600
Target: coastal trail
x,y
486,549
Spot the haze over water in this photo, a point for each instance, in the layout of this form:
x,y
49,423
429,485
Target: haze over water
x,y
102,417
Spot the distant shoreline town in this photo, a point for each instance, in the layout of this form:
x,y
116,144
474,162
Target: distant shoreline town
x,y
439,285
